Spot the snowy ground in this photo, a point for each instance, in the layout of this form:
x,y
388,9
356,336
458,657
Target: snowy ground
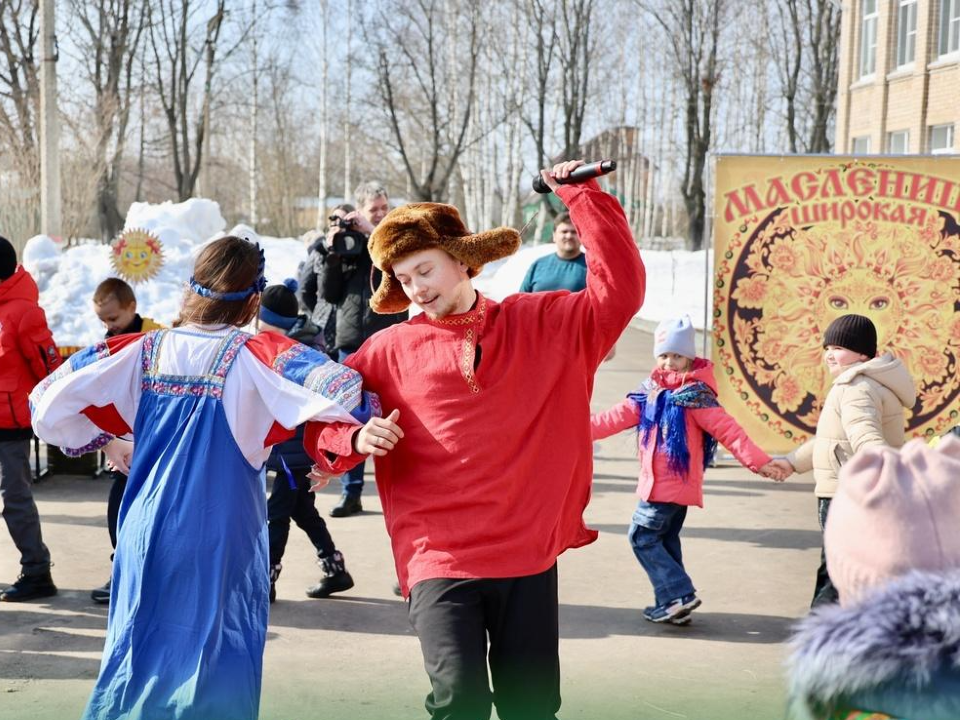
x,y
67,278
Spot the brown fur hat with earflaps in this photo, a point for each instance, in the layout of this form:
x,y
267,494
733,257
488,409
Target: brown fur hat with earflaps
x,y
422,226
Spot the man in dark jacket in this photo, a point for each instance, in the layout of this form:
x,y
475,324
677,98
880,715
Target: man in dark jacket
x,y
27,355
310,276
348,283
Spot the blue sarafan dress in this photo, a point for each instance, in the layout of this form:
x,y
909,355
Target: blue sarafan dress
x,y
189,599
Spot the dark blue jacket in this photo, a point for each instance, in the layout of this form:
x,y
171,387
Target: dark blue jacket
x,y
292,450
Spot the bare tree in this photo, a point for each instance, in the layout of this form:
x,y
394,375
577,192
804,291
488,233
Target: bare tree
x,y
577,48
416,85
19,83
107,35
324,65
824,42
787,45
347,100
19,112
807,40
176,63
692,30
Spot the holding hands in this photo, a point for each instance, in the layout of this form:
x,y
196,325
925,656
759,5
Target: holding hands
x,y
379,436
119,454
778,470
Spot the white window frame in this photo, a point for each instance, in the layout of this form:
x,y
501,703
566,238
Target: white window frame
x,y
860,145
906,32
869,23
948,31
948,147
898,142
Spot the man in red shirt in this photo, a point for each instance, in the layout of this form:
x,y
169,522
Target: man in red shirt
x,y
486,483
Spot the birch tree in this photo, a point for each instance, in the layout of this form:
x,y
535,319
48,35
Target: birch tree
x,y
427,105
107,36
692,32
19,86
176,62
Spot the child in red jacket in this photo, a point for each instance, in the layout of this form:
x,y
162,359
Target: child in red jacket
x,y
679,422
27,355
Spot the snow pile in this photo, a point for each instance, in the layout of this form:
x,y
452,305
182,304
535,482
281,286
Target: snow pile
x,y
675,281
67,278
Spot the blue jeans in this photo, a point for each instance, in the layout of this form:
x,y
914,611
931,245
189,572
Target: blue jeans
x,y
352,480
655,538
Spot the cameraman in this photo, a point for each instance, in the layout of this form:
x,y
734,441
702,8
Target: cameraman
x,y
348,283
310,276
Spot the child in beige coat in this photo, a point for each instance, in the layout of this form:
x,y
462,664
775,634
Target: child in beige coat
x,y
864,408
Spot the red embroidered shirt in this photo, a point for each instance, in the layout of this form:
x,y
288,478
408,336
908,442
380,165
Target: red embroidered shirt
x,y
494,471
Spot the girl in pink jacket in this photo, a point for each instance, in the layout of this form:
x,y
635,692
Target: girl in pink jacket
x,y
679,423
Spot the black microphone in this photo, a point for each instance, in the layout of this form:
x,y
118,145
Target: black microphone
x,y
584,172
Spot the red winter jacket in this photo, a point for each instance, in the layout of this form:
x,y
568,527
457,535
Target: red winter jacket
x,y
658,483
27,351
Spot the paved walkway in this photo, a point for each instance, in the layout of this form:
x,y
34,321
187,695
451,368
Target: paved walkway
x,y
752,553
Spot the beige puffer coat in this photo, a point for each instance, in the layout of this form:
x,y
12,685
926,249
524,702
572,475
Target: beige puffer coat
x,y
865,407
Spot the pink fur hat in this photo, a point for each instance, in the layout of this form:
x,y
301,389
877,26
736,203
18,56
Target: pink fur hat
x,y
895,511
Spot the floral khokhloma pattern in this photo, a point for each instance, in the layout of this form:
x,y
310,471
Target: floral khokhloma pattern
x,y
789,283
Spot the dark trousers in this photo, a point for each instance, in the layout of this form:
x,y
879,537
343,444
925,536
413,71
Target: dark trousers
x,y
19,509
824,593
113,503
297,504
454,619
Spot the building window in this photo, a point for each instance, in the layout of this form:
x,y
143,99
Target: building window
x,y
906,32
949,27
868,37
898,142
861,145
941,139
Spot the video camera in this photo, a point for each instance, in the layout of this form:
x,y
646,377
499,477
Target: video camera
x,y
347,241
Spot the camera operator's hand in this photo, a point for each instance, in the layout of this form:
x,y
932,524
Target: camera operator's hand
x,y
328,238
358,222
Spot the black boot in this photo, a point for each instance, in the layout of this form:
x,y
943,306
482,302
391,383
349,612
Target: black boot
x,y
274,574
101,594
30,587
348,505
335,577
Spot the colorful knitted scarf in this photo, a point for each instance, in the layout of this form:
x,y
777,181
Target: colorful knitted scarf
x,y
667,413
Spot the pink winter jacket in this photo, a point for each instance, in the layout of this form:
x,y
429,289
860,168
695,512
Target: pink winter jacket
x,y
657,482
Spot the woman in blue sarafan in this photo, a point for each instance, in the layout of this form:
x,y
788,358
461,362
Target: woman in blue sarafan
x,y
204,402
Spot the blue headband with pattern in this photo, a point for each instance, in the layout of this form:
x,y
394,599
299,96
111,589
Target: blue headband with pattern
x,y
258,285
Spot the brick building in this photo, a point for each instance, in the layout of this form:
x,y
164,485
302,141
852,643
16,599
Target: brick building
x,y
899,84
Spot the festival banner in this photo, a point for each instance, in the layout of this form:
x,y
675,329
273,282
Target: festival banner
x,y
801,240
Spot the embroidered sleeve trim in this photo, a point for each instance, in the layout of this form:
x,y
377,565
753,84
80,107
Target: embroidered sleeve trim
x,y
98,442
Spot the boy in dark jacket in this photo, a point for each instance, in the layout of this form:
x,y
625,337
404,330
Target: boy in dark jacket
x,y
27,355
116,306
291,498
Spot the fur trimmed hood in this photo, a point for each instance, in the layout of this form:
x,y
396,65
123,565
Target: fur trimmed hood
x,y
422,226
897,651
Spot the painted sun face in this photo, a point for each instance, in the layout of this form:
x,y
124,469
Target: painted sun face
x,y
136,255
862,292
